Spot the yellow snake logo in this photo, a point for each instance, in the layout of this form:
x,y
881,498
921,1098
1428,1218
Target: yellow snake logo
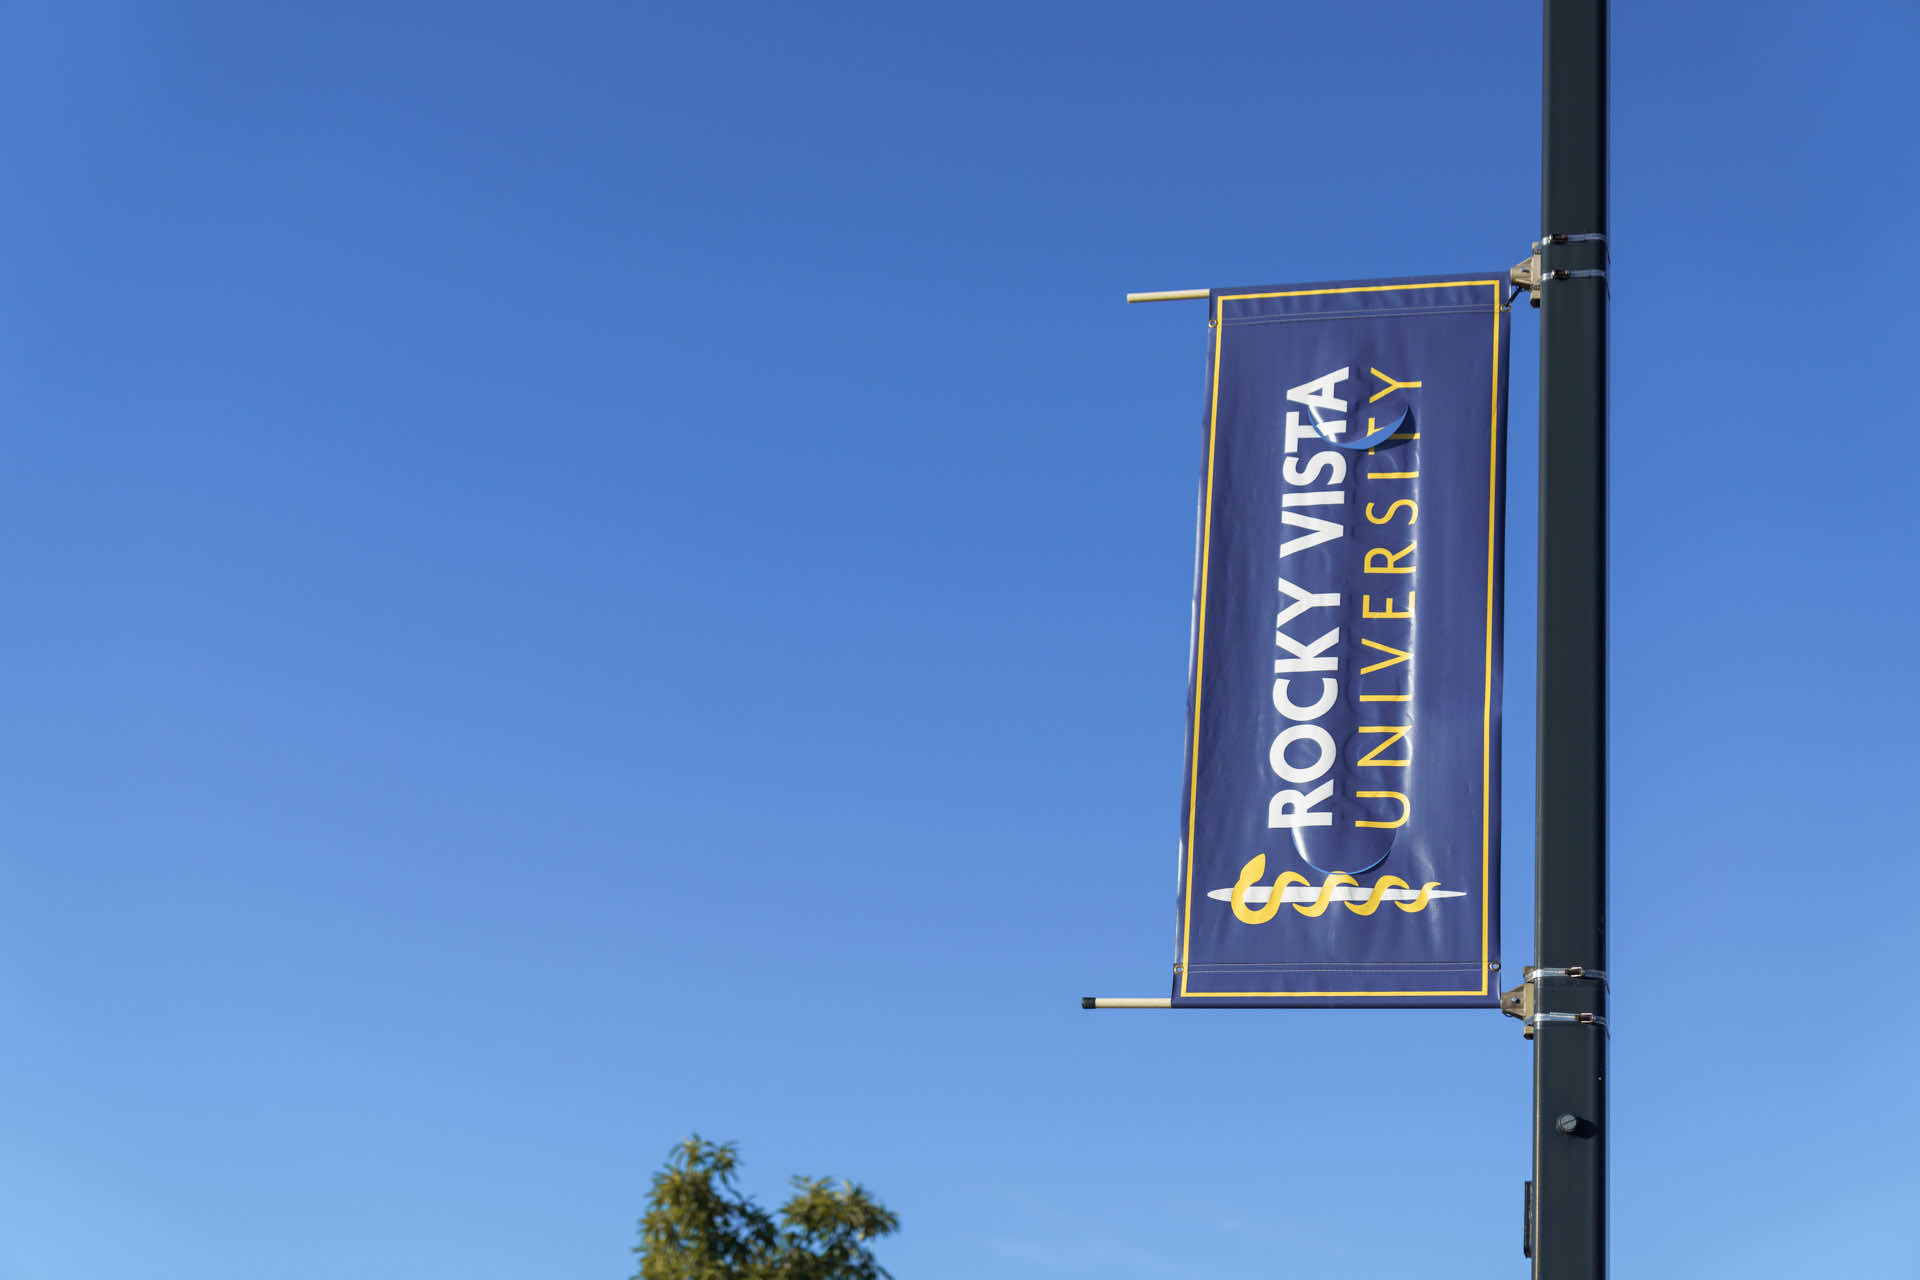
x,y
1256,868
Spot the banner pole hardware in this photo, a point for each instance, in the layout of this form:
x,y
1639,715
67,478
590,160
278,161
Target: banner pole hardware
x,y
1583,1019
1518,1003
1531,974
1529,275
1526,275
1126,1002
1170,295
1521,1001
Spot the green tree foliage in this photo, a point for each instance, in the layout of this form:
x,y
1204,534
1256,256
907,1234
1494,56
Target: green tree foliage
x,y
700,1226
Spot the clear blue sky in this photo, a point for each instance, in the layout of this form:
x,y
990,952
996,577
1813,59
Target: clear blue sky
x,y
585,573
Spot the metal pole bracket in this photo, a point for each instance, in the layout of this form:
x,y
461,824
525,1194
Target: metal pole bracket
x,y
1523,1001
1526,274
1518,1003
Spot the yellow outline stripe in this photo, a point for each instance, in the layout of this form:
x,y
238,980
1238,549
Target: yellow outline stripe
x,y
1200,642
1486,704
1358,288
1199,654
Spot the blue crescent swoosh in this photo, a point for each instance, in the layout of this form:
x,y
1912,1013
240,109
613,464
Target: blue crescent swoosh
x,y
1367,441
1300,847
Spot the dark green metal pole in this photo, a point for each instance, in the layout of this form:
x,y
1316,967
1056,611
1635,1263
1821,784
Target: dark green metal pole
x,y
1569,1202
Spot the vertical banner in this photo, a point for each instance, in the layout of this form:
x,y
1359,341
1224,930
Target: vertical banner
x,y
1340,841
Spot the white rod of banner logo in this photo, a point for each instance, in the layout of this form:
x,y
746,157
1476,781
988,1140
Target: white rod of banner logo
x,y
1169,295
1126,1002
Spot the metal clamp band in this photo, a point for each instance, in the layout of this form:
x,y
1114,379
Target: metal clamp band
x,y
1581,1019
1563,273
1571,971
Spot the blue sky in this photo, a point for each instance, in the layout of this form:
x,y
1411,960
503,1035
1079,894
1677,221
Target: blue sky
x,y
584,574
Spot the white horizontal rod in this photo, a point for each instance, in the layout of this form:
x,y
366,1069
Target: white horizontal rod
x,y
1169,295
1126,1002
